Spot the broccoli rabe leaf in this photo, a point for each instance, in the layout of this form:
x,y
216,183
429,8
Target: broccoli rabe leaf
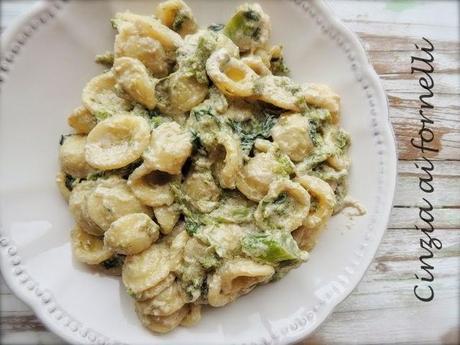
x,y
278,67
250,130
216,27
244,24
192,225
105,59
113,262
272,247
70,181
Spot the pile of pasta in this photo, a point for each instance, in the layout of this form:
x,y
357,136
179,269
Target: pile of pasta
x,y
198,169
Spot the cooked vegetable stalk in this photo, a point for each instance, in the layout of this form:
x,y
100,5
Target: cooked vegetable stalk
x,y
249,28
273,247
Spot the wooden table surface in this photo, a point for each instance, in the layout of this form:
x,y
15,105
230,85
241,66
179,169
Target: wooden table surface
x,y
383,308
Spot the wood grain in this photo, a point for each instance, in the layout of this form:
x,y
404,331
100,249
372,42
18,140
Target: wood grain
x,y
382,309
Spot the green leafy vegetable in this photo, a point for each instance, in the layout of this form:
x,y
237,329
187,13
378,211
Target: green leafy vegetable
x,y
278,67
273,247
250,130
113,262
70,182
245,23
192,225
105,59
216,27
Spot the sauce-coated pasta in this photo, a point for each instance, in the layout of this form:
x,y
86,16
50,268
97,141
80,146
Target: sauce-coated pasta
x,y
199,169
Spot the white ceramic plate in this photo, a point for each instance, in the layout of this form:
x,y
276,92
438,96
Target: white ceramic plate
x,y
48,58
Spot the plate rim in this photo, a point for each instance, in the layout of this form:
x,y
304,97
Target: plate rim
x,y
41,302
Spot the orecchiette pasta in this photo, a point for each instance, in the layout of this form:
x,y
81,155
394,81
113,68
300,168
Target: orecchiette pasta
x,y
228,161
260,171
165,303
170,146
100,98
201,187
131,234
110,200
285,207
89,249
230,75
152,187
156,289
134,78
147,269
163,324
179,93
326,200
167,217
129,42
279,91
235,278
82,120
321,96
291,133
249,27
177,16
78,207
193,316
72,156
198,169
117,142
151,27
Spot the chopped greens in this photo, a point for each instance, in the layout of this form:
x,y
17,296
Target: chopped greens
x,y
272,247
278,67
216,27
105,59
250,130
113,262
244,24
70,181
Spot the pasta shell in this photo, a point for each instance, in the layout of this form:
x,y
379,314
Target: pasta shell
x,y
111,200
165,303
230,75
291,134
279,91
322,96
152,187
134,79
193,316
81,120
155,290
72,156
285,207
89,249
163,324
167,217
177,16
234,278
131,234
151,27
100,98
230,160
78,207
321,191
129,42
147,269
169,148
117,141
